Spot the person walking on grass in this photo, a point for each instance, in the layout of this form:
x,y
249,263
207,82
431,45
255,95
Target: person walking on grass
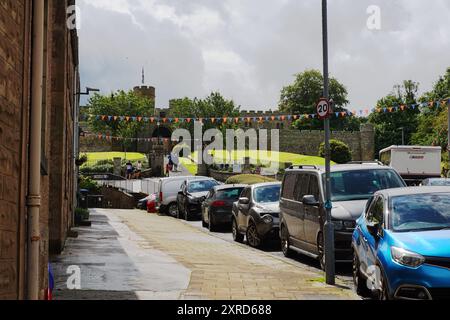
x,y
129,169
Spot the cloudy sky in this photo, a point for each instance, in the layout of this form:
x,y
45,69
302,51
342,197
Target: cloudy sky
x,y
249,49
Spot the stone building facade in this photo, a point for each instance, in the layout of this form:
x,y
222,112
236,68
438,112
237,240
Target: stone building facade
x,y
59,108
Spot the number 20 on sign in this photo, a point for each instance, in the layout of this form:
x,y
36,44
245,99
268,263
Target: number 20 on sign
x,y
323,108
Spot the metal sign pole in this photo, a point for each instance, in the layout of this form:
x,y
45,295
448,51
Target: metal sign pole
x,y
328,228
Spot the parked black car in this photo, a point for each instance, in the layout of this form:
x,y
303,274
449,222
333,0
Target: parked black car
x,y
191,196
256,214
217,209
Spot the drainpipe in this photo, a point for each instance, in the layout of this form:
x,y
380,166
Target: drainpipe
x,y
34,187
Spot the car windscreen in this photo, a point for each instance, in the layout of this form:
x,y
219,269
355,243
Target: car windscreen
x,y
362,184
267,194
201,186
229,194
420,212
440,182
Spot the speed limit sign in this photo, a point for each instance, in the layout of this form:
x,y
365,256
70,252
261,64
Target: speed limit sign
x,y
323,108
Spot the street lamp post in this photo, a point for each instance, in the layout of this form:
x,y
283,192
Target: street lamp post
x,y
328,227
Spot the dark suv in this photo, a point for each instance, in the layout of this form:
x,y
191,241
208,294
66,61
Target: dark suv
x,y
302,212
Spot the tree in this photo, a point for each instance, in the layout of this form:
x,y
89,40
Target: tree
x,y
302,96
340,152
432,122
213,106
120,103
389,123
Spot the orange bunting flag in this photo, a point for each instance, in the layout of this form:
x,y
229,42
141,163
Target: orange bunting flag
x,y
390,109
343,113
283,118
213,120
188,120
225,120
139,119
273,118
127,118
165,120
402,107
115,118
152,120
177,120
431,104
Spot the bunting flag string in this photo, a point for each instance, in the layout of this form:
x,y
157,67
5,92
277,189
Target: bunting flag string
x,y
108,137
265,117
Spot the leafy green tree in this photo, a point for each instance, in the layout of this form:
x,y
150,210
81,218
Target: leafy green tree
x,y
302,96
432,122
389,123
340,152
120,103
213,106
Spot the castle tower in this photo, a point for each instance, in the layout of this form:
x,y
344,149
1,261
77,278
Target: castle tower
x,y
146,91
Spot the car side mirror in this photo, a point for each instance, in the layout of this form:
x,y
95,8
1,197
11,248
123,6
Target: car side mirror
x,y
310,200
244,201
374,229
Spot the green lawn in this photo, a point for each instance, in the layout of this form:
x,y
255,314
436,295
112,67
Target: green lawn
x,y
280,157
189,165
98,156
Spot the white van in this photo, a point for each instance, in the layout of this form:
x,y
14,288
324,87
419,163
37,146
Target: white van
x,y
168,189
413,163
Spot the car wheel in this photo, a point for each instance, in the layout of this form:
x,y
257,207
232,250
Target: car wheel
x,y
204,224
320,248
211,226
382,293
172,210
253,239
358,280
285,244
186,214
237,236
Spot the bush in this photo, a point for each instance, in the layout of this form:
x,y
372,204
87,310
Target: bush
x,y
89,184
97,168
81,214
340,152
248,179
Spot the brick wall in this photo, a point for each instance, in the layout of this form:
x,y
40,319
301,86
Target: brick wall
x,y
57,140
12,64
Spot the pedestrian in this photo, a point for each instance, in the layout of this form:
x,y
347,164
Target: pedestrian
x,y
175,161
129,169
138,169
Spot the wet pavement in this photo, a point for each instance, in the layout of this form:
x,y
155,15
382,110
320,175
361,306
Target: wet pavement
x,y
115,263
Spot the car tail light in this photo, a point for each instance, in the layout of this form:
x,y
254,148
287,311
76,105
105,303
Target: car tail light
x,y
160,197
218,204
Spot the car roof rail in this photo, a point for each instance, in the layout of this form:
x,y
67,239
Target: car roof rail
x,y
304,166
367,162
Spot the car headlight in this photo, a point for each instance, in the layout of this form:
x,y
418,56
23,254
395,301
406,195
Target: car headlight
x,y
268,219
407,258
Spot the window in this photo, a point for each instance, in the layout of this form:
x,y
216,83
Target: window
x,y
420,212
267,194
362,184
289,186
301,187
376,211
314,187
229,194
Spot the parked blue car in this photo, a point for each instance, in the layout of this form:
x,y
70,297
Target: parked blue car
x,y
402,245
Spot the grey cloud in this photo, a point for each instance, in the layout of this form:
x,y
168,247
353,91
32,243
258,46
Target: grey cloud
x,y
258,45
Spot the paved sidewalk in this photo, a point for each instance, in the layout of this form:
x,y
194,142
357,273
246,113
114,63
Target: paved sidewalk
x,y
117,264
223,270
